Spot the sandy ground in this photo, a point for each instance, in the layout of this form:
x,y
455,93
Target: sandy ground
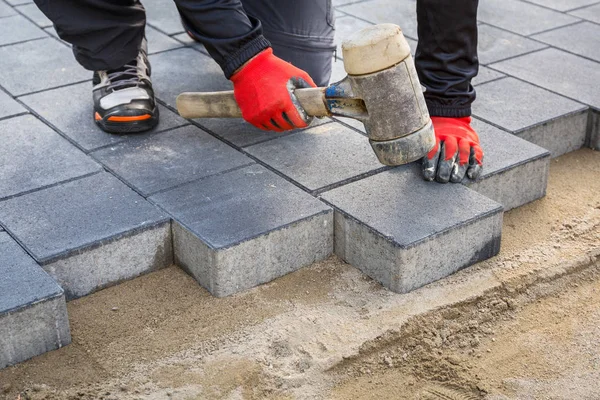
x,y
327,331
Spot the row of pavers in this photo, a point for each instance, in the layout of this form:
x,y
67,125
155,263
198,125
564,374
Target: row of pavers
x,y
100,209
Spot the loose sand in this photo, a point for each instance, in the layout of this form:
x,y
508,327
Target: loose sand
x,y
317,333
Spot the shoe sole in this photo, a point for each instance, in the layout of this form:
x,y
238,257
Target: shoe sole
x,y
129,126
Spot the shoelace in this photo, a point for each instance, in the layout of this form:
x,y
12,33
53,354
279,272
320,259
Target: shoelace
x,y
118,78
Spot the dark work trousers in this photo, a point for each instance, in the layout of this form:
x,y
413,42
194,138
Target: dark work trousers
x,y
106,34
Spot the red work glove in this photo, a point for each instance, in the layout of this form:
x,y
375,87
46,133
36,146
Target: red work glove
x,y
263,88
455,153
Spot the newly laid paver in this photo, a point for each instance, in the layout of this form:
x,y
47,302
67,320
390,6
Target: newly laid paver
x,y
402,13
401,231
158,41
8,106
33,312
558,71
34,156
582,39
521,17
6,10
18,29
163,14
591,13
70,109
90,233
21,66
162,161
237,230
486,74
319,157
537,115
563,5
496,44
509,162
172,75
32,12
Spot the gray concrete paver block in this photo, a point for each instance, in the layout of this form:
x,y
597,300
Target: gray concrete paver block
x,y
32,12
582,39
34,156
591,13
496,44
402,13
20,66
163,15
33,312
89,233
237,230
532,113
162,161
399,229
6,10
320,156
70,109
485,75
509,162
18,29
8,106
172,75
520,17
563,5
558,71
158,41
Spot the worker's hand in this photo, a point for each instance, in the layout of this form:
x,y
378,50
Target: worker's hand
x,y
263,88
455,153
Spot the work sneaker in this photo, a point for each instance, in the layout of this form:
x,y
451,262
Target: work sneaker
x,y
123,97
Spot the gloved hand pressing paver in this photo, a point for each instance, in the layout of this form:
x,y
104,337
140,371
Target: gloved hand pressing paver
x,y
263,89
456,152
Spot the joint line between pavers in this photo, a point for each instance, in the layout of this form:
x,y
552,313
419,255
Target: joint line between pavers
x,y
187,45
25,41
551,9
347,181
350,127
557,28
36,302
18,7
52,88
163,32
579,8
14,115
289,134
279,228
100,170
389,239
104,241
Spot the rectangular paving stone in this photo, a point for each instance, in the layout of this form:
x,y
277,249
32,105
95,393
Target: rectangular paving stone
x,y
158,41
163,14
591,13
238,230
172,75
401,231
70,110
8,106
18,29
20,66
582,39
563,5
515,171
162,161
402,13
496,44
32,12
34,156
485,75
521,17
320,156
90,233
6,10
558,71
533,114
33,311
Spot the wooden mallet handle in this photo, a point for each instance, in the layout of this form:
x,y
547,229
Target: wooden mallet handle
x,y
223,105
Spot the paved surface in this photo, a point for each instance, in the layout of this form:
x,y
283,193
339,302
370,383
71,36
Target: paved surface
x,y
224,199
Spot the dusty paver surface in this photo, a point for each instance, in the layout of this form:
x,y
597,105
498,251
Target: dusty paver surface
x,y
312,334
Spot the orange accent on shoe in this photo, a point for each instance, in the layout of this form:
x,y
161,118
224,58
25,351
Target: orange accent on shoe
x,y
97,116
116,118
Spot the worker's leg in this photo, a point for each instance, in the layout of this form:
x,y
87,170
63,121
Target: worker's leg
x,y
301,32
446,56
105,34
